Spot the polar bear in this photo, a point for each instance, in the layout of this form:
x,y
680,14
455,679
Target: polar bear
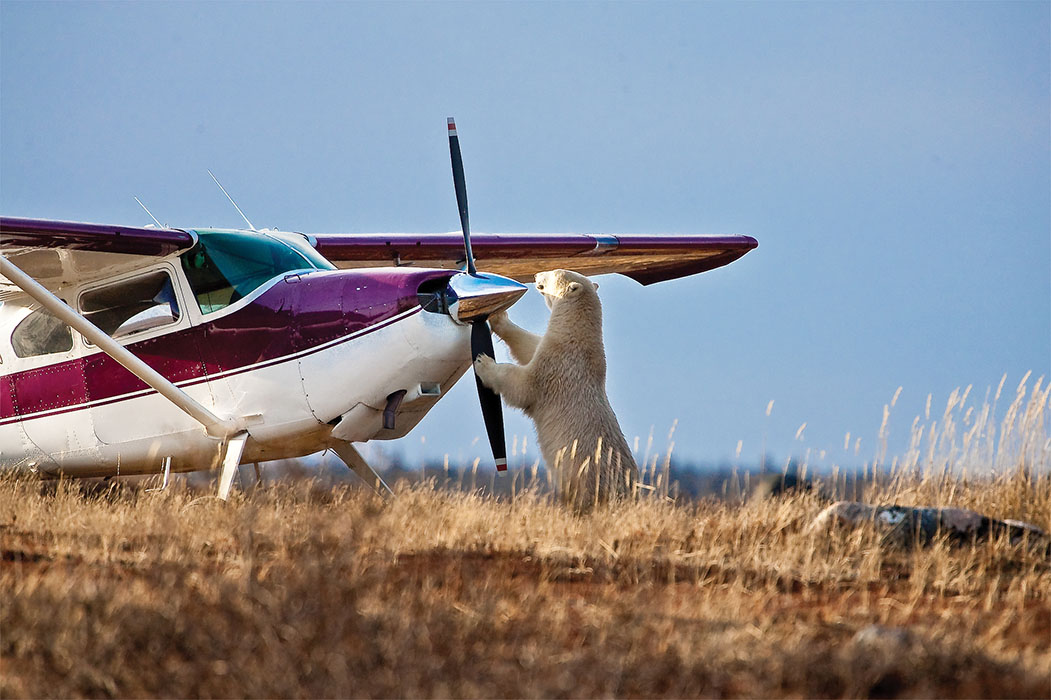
x,y
560,383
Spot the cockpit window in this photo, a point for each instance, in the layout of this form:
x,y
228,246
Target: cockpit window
x,y
133,305
226,266
40,333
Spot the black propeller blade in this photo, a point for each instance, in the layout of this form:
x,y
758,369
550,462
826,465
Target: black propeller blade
x,y
461,194
481,336
492,411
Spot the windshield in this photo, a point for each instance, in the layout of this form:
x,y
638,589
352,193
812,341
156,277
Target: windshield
x,y
225,266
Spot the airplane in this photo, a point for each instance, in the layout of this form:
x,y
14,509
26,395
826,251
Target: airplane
x,y
147,350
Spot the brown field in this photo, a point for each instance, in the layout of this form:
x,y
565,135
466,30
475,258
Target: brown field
x,y
299,591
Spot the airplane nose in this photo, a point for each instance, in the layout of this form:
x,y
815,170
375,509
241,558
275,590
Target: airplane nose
x,y
474,297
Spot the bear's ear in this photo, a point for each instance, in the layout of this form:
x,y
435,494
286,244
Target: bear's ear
x,y
594,285
574,287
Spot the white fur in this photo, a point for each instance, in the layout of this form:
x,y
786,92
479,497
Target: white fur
x,y
560,382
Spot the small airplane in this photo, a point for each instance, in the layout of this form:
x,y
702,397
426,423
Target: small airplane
x,y
127,350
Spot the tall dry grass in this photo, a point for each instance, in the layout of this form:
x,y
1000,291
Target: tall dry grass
x,y
989,458
297,591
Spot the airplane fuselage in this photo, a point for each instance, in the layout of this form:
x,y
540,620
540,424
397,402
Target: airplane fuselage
x,y
303,355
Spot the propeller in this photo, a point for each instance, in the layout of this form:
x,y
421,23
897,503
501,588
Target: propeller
x,y
481,336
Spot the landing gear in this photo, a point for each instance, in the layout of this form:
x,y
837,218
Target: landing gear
x,y
353,459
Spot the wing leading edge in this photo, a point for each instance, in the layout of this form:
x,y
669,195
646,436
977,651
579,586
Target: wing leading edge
x,y
644,258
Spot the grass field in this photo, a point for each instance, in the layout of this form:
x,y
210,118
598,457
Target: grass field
x,y
300,591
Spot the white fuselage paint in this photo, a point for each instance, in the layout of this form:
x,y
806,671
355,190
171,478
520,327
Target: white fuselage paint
x,y
291,403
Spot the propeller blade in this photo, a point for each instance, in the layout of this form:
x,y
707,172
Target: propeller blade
x,y
461,193
481,337
492,412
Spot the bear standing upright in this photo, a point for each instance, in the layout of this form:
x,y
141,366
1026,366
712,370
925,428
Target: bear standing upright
x,y
560,383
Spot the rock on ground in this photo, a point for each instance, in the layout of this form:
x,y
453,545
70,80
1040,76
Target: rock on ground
x,y
908,525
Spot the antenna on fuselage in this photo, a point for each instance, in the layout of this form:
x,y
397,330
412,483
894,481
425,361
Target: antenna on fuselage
x,y
233,202
148,212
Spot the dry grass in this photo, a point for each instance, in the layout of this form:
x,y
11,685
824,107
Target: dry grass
x,y
302,592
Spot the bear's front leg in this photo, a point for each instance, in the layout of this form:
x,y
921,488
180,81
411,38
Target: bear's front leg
x,y
510,381
520,342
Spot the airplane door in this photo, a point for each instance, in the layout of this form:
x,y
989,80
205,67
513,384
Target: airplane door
x,y
144,312
124,409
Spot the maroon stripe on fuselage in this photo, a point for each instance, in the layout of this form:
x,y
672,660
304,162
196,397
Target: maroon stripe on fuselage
x,y
296,315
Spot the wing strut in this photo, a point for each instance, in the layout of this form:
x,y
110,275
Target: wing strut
x,y
213,424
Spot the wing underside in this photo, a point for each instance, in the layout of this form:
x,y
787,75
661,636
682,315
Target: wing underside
x,y
644,258
62,253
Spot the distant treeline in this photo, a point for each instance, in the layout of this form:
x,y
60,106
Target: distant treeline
x,y
675,479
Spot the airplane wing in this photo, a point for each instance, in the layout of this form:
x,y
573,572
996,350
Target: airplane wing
x,y
644,258
60,253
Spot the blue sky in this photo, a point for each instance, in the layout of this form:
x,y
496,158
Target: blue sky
x,y
892,159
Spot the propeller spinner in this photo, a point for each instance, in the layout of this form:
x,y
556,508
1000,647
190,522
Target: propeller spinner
x,y
481,336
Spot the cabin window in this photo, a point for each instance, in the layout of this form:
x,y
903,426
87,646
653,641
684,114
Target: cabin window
x,y
132,306
226,266
40,333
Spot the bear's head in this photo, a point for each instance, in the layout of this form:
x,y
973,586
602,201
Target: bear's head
x,y
564,285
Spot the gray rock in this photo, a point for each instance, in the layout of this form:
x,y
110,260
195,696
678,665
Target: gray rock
x,y
907,525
